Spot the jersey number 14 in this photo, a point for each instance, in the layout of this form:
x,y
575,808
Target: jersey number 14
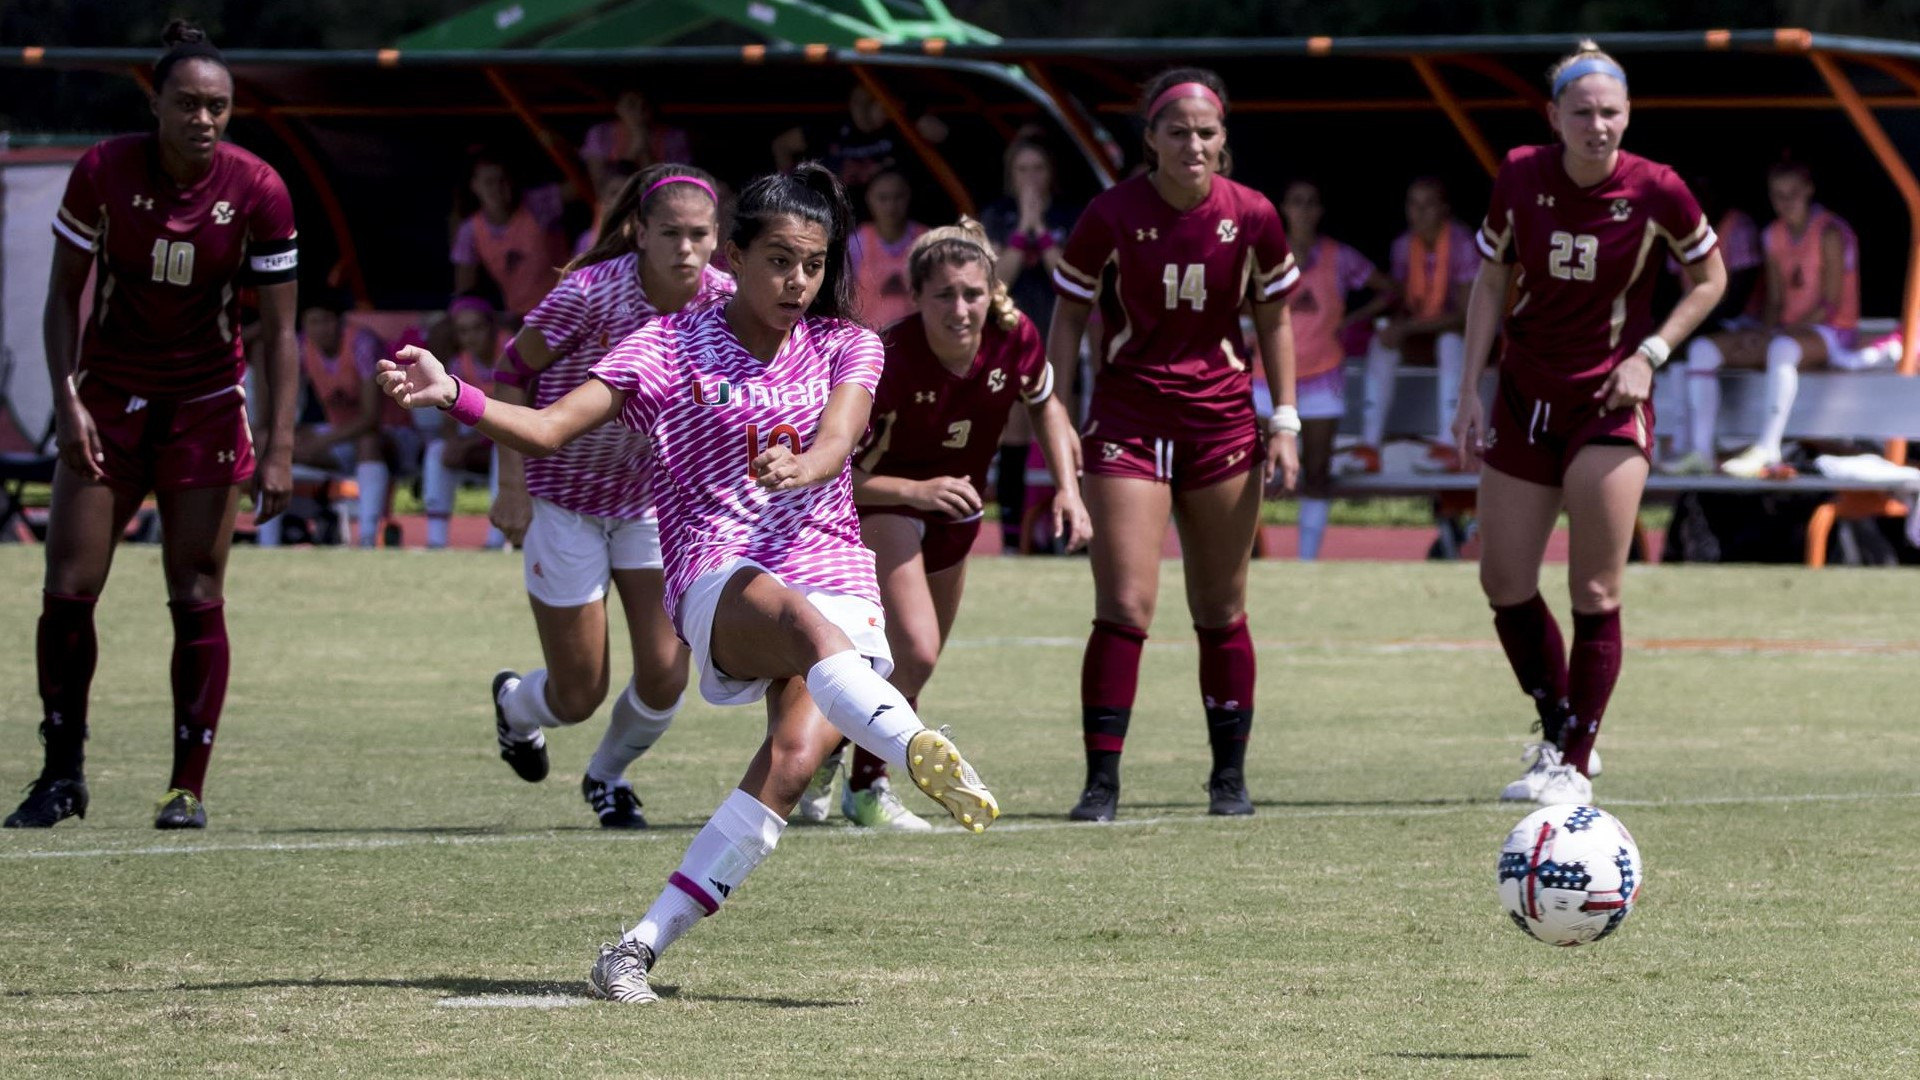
x,y
1189,284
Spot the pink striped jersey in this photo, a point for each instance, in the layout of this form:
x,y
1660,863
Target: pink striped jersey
x,y
708,408
605,472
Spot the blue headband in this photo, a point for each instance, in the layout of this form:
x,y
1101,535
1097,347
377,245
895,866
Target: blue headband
x,y
1592,65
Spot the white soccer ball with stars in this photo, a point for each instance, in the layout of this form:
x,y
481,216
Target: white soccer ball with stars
x,y
1569,874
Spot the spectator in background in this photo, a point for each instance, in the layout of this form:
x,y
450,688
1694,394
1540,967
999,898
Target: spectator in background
x,y
1029,226
1812,311
1329,270
861,148
879,251
453,448
1732,334
612,180
633,138
337,367
513,238
1433,265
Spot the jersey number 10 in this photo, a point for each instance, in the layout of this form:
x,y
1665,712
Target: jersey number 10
x,y
1189,284
173,261
778,432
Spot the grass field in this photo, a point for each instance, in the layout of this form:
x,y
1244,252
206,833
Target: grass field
x,y
377,891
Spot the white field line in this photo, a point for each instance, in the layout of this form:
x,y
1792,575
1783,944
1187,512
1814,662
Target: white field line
x,y
1008,827
1708,647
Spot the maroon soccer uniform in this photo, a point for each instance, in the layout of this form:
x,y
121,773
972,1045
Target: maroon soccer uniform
x,y
929,422
1584,275
161,358
1174,379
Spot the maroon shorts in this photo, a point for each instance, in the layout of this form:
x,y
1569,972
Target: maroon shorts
x,y
1535,439
1186,464
170,445
944,542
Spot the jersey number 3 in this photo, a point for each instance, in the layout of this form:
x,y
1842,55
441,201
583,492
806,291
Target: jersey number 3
x,y
173,261
1189,284
1573,258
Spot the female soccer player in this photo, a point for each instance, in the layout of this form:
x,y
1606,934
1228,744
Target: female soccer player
x,y
1572,423
751,408
150,401
585,515
1171,425
1329,270
954,369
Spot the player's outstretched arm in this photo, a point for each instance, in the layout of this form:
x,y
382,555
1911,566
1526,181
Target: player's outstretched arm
x,y
419,380
842,423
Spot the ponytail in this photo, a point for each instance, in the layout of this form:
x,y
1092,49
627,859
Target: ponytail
x,y
810,193
638,197
961,244
184,41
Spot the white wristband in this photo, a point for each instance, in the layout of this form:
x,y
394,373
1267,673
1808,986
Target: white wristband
x,y
1285,418
1656,350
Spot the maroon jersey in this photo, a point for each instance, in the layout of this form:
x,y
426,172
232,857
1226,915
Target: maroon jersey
x,y
929,422
166,313
1583,294
1173,358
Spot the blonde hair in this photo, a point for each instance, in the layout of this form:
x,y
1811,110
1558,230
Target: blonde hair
x,y
1587,49
959,244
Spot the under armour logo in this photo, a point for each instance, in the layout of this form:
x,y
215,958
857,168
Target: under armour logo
x,y
923,397
1543,200
224,457
878,713
1146,234
143,202
1228,230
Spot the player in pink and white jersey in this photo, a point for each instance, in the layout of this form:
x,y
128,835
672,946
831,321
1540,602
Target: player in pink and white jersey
x,y
584,516
1171,424
149,402
1572,423
955,367
751,409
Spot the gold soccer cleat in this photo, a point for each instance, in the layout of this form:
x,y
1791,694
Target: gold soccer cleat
x,y
938,769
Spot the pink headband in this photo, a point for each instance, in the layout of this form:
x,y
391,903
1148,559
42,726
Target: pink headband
x,y
694,180
469,303
1184,90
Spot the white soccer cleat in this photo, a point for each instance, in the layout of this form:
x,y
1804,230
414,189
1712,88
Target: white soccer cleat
x,y
938,769
620,974
1593,764
1538,758
816,803
1753,463
879,808
1691,463
1563,784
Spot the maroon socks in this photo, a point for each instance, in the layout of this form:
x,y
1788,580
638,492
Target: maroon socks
x,y
1226,689
1109,678
200,665
1538,655
65,651
1595,668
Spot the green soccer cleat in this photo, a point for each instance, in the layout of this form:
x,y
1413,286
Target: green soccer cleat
x,y
181,809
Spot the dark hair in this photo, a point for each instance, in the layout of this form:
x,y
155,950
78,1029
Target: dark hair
x,y
810,193
961,244
634,205
1433,183
1014,150
327,298
184,41
1789,167
1173,77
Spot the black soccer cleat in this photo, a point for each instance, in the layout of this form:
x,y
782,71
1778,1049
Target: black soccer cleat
x,y
1227,794
181,809
615,804
1099,802
48,801
527,756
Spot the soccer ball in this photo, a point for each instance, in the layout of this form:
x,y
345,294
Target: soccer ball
x,y
1569,874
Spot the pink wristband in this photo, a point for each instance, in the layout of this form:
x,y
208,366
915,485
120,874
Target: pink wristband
x,y
469,406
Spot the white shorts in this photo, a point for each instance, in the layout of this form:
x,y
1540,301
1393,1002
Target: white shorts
x,y
861,620
569,557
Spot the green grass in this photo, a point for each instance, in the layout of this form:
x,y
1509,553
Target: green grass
x,y
370,857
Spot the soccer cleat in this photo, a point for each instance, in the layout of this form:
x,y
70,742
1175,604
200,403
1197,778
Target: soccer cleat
x,y
49,801
620,974
1357,461
879,808
527,756
1564,784
1691,463
937,767
1099,802
1753,463
1538,758
615,804
1227,794
816,803
1439,460
181,809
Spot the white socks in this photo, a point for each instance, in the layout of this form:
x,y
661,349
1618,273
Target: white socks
x,y
267,534
525,704
1382,365
1879,354
436,491
1703,395
1783,385
738,837
633,729
1313,526
1449,357
372,478
865,707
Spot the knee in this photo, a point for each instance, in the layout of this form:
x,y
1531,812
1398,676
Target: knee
x,y
574,700
1595,596
1783,352
1217,613
1703,356
659,685
794,752
1505,587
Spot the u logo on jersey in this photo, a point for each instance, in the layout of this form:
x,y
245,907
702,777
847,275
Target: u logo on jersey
x,y
223,213
712,393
